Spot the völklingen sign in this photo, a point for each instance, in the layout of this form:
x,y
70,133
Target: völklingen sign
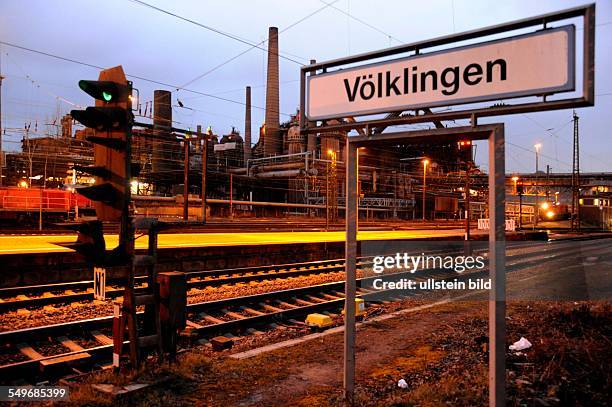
x,y
526,65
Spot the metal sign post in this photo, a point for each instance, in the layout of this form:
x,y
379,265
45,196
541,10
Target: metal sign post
x,y
497,272
494,133
482,72
351,264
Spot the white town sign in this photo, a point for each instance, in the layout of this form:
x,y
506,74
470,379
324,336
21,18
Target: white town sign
x,y
526,65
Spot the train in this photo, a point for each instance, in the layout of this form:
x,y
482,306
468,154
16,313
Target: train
x,y
550,211
22,205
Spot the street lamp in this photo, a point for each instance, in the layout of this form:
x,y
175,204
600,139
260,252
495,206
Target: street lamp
x,y
537,147
515,180
425,163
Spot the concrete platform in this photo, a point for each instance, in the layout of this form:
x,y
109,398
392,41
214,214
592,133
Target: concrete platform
x,y
48,243
32,260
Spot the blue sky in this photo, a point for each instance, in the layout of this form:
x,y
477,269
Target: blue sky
x,y
161,47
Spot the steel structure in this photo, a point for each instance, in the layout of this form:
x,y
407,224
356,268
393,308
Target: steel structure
x,y
587,12
575,215
495,135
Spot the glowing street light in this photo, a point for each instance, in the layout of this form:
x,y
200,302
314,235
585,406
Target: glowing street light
x,y
537,147
515,180
425,163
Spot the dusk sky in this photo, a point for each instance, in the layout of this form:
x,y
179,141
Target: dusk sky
x,y
164,48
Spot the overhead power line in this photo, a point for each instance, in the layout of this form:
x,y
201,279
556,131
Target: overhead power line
x,y
197,78
206,27
167,85
362,22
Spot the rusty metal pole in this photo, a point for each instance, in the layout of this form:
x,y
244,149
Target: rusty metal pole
x,y
520,222
186,181
350,272
231,194
204,170
425,162
497,251
467,202
1,154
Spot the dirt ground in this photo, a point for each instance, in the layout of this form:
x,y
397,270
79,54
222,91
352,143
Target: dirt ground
x,y
440,352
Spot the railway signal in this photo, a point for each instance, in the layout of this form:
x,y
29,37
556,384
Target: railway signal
x,y
112,120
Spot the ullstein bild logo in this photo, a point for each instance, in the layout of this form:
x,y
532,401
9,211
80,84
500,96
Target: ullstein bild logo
x,y
531,64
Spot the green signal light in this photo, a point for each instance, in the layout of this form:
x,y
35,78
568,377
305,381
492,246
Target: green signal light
x,y
107,96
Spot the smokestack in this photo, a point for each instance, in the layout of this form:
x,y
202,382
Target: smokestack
x,y
273,144
162,108
162,120
312,137
247,126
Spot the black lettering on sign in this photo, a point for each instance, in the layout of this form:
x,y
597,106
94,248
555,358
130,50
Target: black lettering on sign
x,y
99,283
472,70
367,94
351,93
392,84
411,80
453,83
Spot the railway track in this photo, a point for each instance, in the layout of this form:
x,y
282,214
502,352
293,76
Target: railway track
x,y
30,297
52,350
48,294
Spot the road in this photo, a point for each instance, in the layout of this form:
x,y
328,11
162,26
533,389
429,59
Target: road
x,y
48,243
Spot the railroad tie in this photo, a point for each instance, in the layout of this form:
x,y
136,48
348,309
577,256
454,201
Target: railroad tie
x,y
269,307
330,297
233,314
252,311
101,338
317,299
303,302
192,324
210,318
69,343
286,304
254,331
28,351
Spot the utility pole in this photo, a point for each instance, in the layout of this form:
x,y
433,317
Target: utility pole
x,y
186,180
1,154
327,196
394,172
425,162
231,195
536,188
547,183
575,217
204,141
467,201
520,194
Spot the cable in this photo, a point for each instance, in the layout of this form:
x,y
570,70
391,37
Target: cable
x,y
254,46
348,14
167,85
142,3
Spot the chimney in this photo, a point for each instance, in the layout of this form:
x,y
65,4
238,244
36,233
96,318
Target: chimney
x,y
66,126
247,126
312,137
162,108
273,144
162,120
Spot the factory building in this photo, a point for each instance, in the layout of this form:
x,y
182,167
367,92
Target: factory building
x,y
305,173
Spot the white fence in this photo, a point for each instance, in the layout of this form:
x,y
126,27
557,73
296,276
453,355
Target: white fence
x,y
483,224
